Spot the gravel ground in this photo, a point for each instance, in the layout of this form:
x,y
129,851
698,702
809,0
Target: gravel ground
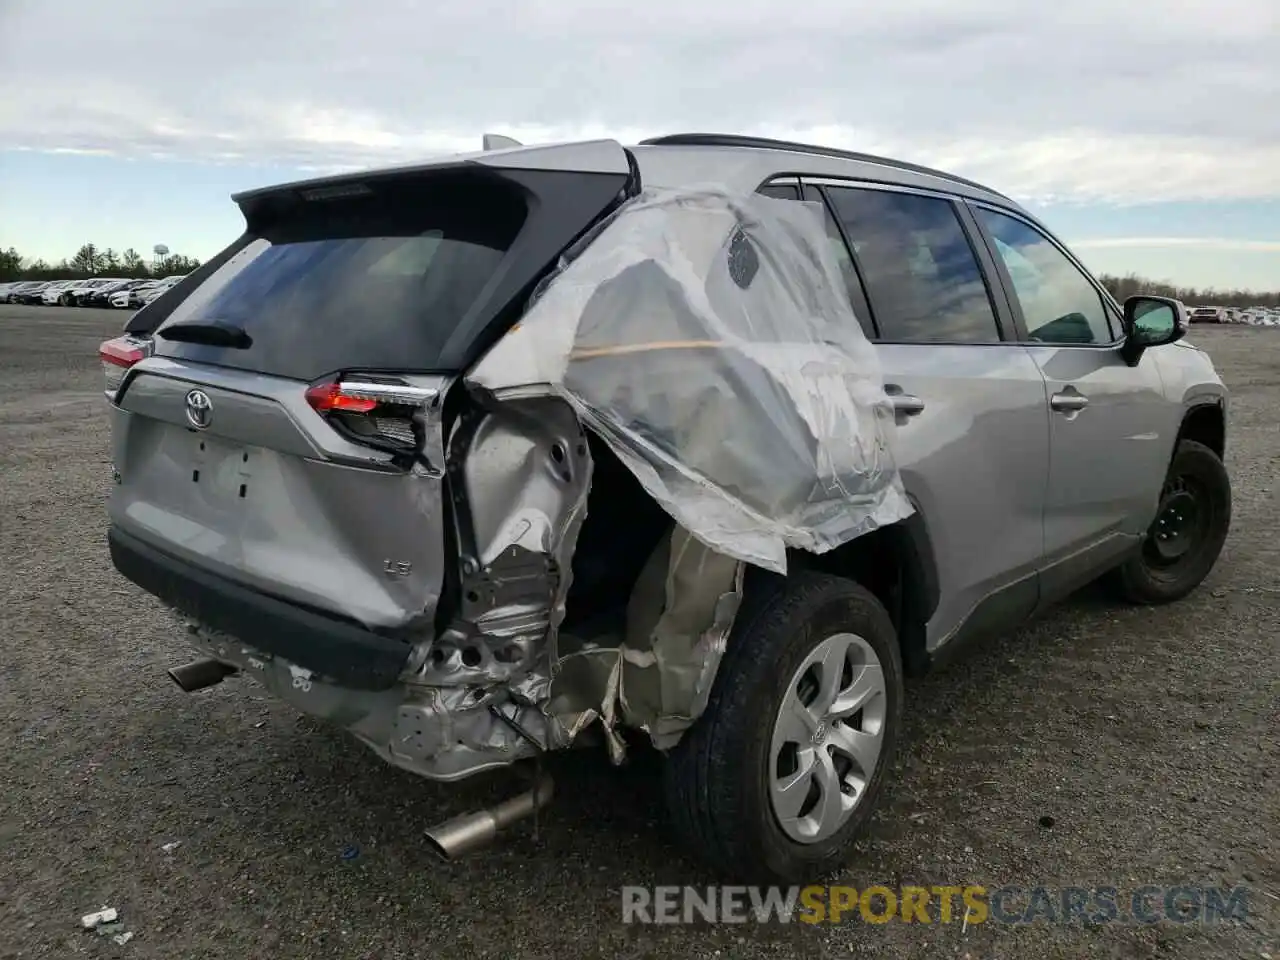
x,y
1149,738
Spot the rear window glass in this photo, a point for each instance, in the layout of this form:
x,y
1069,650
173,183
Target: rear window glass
x,y
376,282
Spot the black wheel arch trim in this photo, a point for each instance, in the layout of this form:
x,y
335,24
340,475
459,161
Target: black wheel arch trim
x,y
916,592
925,560
921,592
1204,404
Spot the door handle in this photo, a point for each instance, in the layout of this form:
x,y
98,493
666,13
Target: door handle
x,y
908,405
1068,402
904,404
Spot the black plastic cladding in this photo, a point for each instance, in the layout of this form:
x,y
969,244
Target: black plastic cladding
x,y
333,647
765,143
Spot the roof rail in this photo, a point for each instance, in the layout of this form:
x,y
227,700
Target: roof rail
x,y
765,143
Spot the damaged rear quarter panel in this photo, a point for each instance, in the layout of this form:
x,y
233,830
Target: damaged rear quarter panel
x,y
705,338
519,473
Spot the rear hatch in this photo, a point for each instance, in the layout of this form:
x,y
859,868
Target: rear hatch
x,y
280,428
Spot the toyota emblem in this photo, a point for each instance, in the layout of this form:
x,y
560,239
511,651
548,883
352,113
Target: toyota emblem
x,y
199,409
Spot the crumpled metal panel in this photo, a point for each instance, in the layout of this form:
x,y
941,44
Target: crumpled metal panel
x,y
678,624
706,336
523,471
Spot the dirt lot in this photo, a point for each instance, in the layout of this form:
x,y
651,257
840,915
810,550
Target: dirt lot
x,y
1149,738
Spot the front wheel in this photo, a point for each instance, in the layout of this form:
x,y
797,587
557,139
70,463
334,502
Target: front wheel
x,y
1187,535
782,771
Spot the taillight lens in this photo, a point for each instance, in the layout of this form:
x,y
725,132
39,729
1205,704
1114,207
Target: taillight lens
x,y
118,356
329,398
377,412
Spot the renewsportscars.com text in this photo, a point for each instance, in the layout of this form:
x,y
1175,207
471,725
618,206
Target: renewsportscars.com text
x,y
965,904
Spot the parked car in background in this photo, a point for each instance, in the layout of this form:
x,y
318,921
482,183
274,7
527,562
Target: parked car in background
x,y
1207,315
70,296
87,295
120,292
101,296
34,294
159,288
50,293
131,295
61,294
29,292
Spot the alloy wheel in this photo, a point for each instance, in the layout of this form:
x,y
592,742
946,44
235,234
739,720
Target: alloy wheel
x,y
827,738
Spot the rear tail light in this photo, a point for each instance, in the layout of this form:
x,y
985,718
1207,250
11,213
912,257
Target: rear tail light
x,y
118,356
378,412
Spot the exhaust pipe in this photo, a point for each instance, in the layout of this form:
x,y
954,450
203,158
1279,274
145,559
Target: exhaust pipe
x,y
199,674
471,831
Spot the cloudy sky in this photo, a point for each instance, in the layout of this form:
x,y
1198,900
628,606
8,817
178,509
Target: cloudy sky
x,y
1146,132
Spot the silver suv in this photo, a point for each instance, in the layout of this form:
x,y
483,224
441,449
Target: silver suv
x,y
703,443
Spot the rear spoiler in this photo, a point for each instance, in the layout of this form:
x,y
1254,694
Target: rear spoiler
x,y
149,317
571,187
496,141
585,156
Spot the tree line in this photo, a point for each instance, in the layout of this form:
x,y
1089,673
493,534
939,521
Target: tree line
x,y
1127,286
93,261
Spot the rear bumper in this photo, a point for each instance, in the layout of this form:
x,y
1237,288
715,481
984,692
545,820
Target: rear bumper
x,y
344,652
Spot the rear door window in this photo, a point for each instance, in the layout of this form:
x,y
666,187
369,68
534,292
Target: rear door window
x,y
358,283
852,283
922,276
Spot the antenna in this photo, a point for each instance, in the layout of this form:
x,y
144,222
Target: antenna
x,y
496,141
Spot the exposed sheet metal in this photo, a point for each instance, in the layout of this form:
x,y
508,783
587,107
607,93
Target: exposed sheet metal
x,y
678,624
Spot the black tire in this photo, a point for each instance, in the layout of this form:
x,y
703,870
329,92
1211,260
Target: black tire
x,y
716,777
1197,490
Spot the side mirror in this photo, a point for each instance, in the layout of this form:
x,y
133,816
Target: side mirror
x,y
1151,322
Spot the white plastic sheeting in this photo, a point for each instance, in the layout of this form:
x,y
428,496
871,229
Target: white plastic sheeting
x,y
707,337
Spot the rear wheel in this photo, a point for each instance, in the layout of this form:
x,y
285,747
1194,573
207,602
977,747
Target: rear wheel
x,y
1188,533
782,771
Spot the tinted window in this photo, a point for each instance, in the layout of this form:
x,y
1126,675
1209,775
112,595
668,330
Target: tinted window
x,y
781,191
1058,302
852,282
370,283
921,274
853,285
